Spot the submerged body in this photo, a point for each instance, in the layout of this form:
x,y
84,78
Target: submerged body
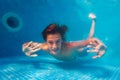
x,y
58,48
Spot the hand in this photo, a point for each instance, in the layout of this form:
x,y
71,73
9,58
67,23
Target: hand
x,y
31,47
92,16
98,47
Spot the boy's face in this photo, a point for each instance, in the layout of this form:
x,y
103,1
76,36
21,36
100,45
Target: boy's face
x,y
54,42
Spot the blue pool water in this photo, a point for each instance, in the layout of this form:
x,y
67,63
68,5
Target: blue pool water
x,y
23,20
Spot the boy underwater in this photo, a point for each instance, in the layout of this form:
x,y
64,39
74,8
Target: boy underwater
x,y
55,45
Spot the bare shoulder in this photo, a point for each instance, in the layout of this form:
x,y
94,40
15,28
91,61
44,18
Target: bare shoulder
x,y
71,44
44,46
77,44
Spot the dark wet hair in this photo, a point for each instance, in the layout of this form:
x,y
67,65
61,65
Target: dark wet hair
x,y
53,29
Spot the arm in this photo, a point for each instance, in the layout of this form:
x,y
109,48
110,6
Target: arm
x,y
98,47
95,44
79,44
91,33
92,30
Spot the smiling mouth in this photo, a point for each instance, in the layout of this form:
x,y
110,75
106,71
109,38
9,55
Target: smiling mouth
x,y
55,50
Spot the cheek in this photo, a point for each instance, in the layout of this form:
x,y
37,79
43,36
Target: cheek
x,y
59,45
49,46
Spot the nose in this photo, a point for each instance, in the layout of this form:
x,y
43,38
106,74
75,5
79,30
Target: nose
x,y
54,46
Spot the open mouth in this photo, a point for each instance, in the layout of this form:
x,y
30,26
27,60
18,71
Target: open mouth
x,y
55,50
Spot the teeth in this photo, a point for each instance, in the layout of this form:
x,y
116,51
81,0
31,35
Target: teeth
x,y
55,49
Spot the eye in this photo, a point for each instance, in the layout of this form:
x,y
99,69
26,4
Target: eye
x,y
50,42
58,41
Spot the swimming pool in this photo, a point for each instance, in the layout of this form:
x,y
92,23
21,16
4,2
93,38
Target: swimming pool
x,y
26,21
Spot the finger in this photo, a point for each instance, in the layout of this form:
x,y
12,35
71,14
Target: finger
x,y
97,47
89,46
94,57
24,48
35,50
91,42
33,55
28,44
95,44
28,50
27,54
33,45
92,50
97,41
101,53
36,47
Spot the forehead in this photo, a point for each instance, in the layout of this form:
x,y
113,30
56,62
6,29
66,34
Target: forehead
x,y
53,36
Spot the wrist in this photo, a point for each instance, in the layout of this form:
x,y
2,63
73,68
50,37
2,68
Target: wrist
x,y
93,19
87,42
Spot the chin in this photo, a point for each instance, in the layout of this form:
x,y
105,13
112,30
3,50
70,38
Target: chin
x,y
54,52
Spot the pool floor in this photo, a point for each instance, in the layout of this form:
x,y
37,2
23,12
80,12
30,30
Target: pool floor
x,y
48,68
